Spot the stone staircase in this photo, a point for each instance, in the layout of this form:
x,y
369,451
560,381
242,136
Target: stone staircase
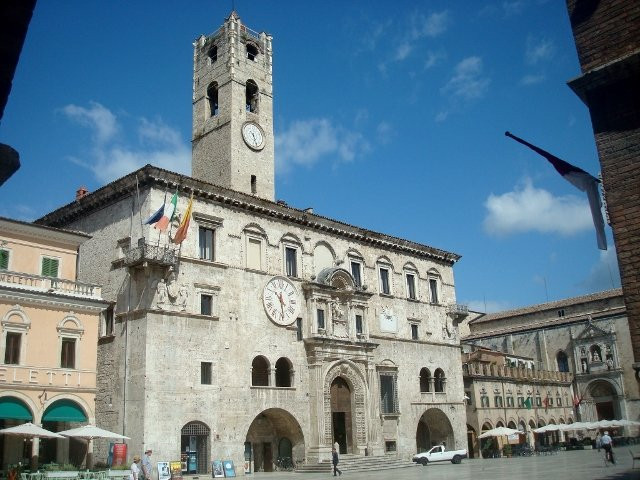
x,y
357,463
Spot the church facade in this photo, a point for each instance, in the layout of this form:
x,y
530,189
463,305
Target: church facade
x,y
269,331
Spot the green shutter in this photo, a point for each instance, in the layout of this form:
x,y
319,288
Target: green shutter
x,y
49,267
4,259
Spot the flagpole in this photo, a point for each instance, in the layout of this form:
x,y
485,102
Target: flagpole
x,y
139,208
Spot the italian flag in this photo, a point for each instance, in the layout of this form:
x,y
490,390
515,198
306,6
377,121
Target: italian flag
x,y
181,233
168,214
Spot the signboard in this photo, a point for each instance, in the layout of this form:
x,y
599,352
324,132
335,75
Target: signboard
x,y
229,469
176,470
163,471
119,456
217,470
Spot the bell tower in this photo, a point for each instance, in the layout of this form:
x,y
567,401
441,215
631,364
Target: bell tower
x,y
232,141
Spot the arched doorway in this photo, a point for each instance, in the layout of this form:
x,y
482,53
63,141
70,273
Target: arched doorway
x,y
472,441
605,400
194,445
14,449
341,419
63,414
351,384
488,445
434,428
274,433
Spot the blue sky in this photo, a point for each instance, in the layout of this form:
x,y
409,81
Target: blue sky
x,y
389,115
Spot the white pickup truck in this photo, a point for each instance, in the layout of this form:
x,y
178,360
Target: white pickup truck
x,y
439,453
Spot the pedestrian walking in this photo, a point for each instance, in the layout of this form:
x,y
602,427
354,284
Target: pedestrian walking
x,y
607,444
135,468
334,457
598,441
146,465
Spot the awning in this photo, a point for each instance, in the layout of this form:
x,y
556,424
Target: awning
x,y
64,411
12,408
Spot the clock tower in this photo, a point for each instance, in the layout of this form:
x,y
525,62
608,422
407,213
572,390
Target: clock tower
x,y
232,140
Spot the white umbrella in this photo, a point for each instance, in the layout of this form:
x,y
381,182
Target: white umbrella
x,y
578,426
90,432
547,428
30,430
499,432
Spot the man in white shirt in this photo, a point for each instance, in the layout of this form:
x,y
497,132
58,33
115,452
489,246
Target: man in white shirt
x,y
607,444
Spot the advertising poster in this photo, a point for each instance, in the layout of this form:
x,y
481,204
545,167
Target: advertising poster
x,y
163,471
247,466
119,454
217,470
176,470
229,469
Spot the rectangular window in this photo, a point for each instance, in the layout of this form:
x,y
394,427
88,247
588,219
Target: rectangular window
x,y
390,446
207,237
433,287
561,313
414,331
388,394
320,317
298,329
205,373
411,286
550,401
291,261
497,401
509,401
68,353
468,399
254,254
520,402
384,281
108,321
558,401
206,304
359,324
4,259
356,273
484,401
49,267
538,402
12,348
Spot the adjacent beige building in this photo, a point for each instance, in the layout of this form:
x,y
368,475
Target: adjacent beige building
x,y
50,325
586,337
505,390
270,331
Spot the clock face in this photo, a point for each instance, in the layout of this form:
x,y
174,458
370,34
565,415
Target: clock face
x,y
253,136
280,299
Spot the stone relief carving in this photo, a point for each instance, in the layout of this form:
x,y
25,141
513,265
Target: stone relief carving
x,y
171,296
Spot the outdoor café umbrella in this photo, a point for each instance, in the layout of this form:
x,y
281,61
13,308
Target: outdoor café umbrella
x,y
552,427
30,430
499,432
89,432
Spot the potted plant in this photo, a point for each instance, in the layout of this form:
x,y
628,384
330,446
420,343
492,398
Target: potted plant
x,y
506,450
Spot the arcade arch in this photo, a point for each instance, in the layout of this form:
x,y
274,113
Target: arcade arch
x,y
274,433
433,428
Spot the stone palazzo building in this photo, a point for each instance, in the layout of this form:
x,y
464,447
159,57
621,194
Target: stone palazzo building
x,y
586,336
270,331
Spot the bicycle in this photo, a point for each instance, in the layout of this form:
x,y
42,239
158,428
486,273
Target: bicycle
x,y
608,456
285,464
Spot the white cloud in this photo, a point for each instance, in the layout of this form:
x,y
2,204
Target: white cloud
x,y
531,80
108,158
433,58
604,274
468,81
513,7
432,25
529,209
97,117
538,50
403,51
384,132
305,142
